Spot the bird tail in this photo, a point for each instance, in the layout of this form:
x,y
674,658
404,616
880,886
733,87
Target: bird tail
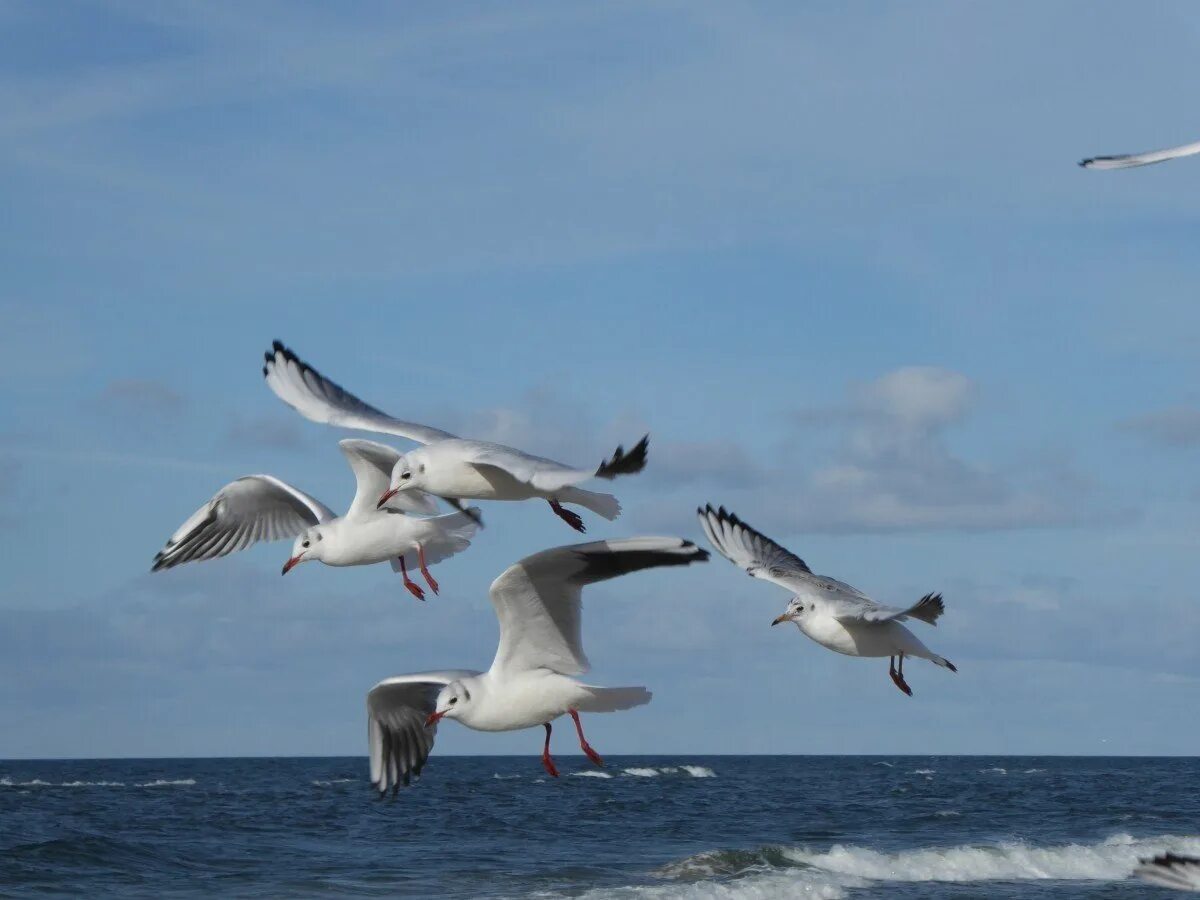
x,y
602,699
605,505
454,536
943,662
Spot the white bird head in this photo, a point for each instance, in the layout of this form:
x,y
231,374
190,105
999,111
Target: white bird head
x,y
408,473
451,701
796,609
307,546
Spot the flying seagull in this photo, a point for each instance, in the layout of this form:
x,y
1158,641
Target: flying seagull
x,y
539,604
264,508
1171,870
449,466
1132,160
829,611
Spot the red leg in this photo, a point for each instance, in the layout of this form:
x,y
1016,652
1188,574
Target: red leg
x,y
583,744
898,676
413,587
546,760
433,585
567,516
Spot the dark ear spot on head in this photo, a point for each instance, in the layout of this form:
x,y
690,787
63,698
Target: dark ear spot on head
x,y
422,467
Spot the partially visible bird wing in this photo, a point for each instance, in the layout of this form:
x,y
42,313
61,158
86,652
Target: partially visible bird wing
x,y
372,465
396,712
539,599
315,397
1171,870
1132,160
251,509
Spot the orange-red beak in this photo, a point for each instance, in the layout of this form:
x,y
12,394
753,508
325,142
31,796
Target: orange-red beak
x,y
387,495
434,718
290,564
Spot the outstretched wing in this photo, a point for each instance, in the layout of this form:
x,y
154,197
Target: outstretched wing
x,y
396,734
251,509
372,465
1171,870
315,397
753,551
547,474
1132,160
539,599
928,609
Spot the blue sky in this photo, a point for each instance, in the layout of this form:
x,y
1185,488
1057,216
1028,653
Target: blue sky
x,y
836,258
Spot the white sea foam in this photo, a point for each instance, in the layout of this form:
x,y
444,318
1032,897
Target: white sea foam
x,y
997,770
1033,771
923,772
590,773
168,782
333,781
641,773
947,813
882,763
700,771
799,872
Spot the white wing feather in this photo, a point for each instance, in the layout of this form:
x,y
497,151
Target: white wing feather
x,y
372,464
1132,160
315,397
539,599
251,509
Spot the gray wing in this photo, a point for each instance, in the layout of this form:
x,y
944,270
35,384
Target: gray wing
x,y
372,464
397,737
1132,160
546,474
252,509
315,397
1172,871
848,609
539,599
753,551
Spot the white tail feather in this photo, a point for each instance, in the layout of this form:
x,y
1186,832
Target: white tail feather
x,y
605,505
604,699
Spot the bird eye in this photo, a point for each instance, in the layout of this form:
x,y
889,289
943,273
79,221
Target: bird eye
x,y
305,544
406,476
453,700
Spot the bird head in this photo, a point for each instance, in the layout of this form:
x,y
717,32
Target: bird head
x,y
307,546
451,700
794,612
408,473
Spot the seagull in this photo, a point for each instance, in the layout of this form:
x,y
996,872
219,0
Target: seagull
x,y
264,508
831,612
1133,160
449,466
1171,870
530,683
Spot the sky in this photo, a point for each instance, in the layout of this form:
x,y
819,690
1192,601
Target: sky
x,y
836,258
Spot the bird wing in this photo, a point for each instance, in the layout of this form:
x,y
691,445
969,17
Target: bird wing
x,y
315,397
1171,870
546,474
397,737
753,551
251,509
854,609
539,599
372,465
1132,160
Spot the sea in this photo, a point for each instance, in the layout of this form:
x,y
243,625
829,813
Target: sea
x,y
642,827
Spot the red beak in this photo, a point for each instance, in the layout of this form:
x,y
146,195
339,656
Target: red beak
x,y
387,495
290,564
433,719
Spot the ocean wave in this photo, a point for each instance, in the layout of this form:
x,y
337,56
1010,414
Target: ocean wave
x,y
699,771
923,772
995,770
169,782
641,773
882,763
590,773
798,871
333,781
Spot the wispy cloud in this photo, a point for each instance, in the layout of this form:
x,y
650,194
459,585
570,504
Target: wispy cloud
x,y
1177,426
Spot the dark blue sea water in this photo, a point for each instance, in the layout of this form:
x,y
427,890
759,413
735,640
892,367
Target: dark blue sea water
x,y
728,827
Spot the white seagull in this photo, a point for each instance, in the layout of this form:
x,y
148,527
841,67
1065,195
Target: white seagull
x,y
264,508
829,611
449,466
1171,870
539,604
1132,160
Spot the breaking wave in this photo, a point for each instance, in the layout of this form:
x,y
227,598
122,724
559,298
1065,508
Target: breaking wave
x,y
37,782
799,871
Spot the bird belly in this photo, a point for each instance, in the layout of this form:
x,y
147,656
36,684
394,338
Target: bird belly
x,y
469,482
373,539
525,701
863,639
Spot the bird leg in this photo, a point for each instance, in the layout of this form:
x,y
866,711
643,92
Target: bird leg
x,y
429,579
583,744
898,675
546,760
413,587
567,516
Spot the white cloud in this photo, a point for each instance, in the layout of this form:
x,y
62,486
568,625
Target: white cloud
x,y
1176,426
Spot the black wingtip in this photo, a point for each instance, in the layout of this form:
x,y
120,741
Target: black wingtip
x,y
623,463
